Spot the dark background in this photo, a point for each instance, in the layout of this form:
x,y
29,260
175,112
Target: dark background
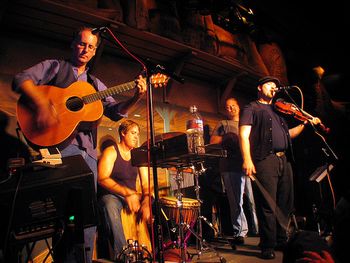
x,y
310,33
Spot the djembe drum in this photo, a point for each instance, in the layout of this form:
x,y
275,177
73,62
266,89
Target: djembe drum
x,y
170,206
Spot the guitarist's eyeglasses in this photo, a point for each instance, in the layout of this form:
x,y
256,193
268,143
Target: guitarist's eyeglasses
x,y
84,45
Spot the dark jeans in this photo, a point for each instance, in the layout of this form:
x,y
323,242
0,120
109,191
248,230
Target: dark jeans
x,y
276,176
111,207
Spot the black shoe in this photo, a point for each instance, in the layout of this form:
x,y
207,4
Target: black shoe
x,y
253,234
280,246
268,253
238,240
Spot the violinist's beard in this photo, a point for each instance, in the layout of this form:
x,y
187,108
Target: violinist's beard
x,y
268,96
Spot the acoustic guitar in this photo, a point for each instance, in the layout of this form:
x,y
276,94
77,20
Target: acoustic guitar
x,y
77,104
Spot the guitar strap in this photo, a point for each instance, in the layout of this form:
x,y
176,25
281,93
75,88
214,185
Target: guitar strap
x,y
92,80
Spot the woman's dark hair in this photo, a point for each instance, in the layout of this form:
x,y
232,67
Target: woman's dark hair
x,y
125,126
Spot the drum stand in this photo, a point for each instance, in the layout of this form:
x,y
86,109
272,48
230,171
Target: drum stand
x,y
201,244
199,241
181,237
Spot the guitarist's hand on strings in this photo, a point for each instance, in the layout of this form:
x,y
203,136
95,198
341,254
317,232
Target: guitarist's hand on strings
x,y
45,116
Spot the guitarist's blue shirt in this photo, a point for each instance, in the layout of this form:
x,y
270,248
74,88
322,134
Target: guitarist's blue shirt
x,y
62,73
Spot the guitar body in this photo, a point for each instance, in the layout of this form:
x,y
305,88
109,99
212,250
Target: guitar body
x,y
70,108
78,104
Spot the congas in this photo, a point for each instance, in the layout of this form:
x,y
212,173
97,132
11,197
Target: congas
x,y
190,208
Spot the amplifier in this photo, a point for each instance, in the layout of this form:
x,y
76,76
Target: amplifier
x,y
48,199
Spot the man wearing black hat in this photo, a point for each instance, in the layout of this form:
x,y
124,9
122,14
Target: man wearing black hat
x,y
265,141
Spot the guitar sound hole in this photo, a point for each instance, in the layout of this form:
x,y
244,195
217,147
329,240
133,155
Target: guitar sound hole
x,y
74,104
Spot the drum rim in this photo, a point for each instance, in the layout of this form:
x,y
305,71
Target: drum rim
x,y
187,202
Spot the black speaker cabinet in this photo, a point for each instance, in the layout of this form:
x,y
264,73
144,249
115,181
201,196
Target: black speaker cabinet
x,y
46,199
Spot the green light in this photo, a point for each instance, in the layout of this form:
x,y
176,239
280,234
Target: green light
x,y
71,218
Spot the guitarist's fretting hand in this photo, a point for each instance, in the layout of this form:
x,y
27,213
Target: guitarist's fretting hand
x,y
157,80
141,86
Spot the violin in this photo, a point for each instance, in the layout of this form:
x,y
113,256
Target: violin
x,y
299,114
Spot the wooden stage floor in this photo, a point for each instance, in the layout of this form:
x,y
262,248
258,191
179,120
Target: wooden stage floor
x,y
223,252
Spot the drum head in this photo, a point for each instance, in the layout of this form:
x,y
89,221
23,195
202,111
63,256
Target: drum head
x,y
171,201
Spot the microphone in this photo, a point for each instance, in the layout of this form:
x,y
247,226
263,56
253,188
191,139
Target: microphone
x,y
97,30
284,88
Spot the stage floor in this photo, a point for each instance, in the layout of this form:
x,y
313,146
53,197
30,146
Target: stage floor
x,y
249,252
223,252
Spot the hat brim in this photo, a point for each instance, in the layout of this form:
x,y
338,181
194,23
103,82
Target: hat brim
x,y
266,79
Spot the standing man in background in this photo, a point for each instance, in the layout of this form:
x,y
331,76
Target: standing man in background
x,y
226,134
265,141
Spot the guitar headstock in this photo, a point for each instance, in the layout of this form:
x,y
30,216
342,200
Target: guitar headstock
x,y
159,80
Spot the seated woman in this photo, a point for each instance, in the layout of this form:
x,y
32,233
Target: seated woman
x,y
118,194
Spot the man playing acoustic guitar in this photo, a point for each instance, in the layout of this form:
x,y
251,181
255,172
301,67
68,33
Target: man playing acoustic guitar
x,y
45,115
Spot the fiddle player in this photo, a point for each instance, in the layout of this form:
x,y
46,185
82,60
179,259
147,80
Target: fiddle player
x,y
266,147
62,73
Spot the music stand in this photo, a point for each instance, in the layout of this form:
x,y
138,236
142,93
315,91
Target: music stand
x,y
321,172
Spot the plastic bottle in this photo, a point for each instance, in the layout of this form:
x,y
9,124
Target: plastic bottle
x,y
194,131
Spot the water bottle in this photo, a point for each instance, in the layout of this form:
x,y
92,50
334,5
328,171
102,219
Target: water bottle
x,y
194,131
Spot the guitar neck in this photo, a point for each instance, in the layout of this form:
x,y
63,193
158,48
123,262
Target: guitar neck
x,y
109,92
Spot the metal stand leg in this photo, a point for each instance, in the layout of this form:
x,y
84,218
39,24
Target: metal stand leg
x,y
182,239
197,173
201,244
179,205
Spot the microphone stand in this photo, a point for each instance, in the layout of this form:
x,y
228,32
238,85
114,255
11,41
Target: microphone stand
x,y
331,157
152,150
